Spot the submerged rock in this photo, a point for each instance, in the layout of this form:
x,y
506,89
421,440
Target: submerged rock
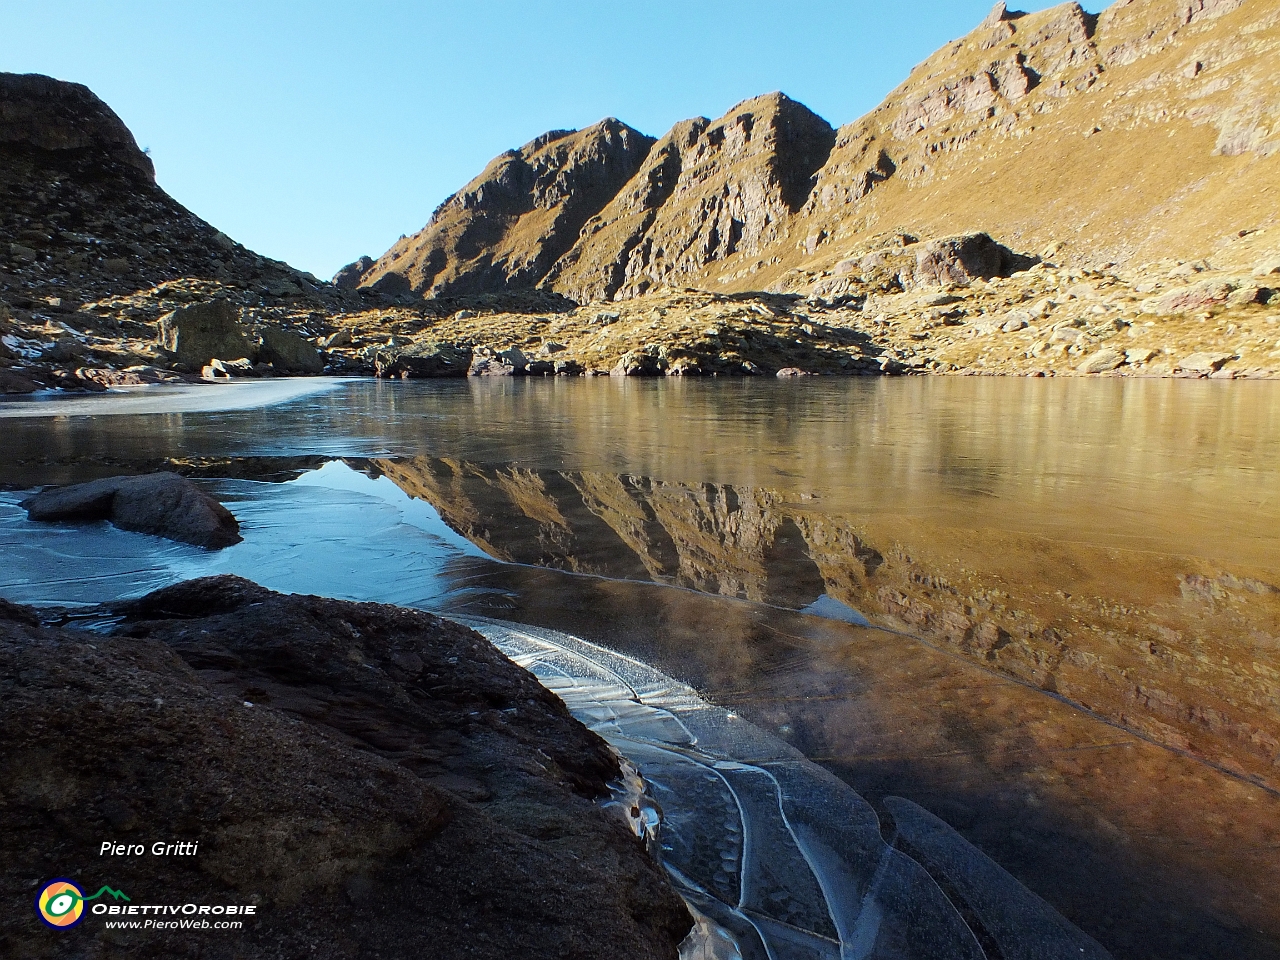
x,y
375,781
163,504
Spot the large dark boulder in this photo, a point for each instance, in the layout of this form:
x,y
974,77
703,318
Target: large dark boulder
x,y
289,353
423,361
200,332
163,504
957,260
375,781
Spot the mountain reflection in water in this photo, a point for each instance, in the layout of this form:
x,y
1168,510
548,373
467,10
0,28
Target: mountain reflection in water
x,y
1082,576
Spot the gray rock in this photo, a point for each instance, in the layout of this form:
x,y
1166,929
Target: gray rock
x,y
684,367
200,332
341,338
1189,269
1205,363
1248,294
505,363
12,382
65,350
514,357
961,259
289,353
637,363
1198,296
422,361
568,368
1102,361
1016,320
939,300
1141,355
283,288
163,504
490,367
226,369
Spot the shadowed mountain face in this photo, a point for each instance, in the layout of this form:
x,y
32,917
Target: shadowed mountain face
x,y
81,215
710,191
506,228
1150,642
1145,132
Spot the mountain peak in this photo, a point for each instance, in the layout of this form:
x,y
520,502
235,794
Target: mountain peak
x,y
1033,127
65,119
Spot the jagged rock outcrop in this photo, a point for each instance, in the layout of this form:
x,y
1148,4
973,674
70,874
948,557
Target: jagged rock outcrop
x,y
1102,137
81,215
506,228
93,252
710,191
42,114
607,254
1146,131
348,278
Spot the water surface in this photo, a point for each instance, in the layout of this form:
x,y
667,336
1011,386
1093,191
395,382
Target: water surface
x,y
1080,577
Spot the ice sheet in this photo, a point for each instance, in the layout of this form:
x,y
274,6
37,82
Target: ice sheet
x,y
776,854
166,399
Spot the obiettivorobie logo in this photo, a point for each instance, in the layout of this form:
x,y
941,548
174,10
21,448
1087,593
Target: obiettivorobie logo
x,y
60,903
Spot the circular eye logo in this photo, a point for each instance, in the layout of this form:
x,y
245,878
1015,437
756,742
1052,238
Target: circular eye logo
x,y
60,904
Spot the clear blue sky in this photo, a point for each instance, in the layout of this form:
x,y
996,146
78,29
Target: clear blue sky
x,y
315,132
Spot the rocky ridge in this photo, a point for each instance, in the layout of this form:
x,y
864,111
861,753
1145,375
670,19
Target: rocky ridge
x,y
86,235
508,226
1171,106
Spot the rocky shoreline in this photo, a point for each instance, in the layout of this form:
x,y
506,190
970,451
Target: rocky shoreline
x,y
1184,321
374,780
